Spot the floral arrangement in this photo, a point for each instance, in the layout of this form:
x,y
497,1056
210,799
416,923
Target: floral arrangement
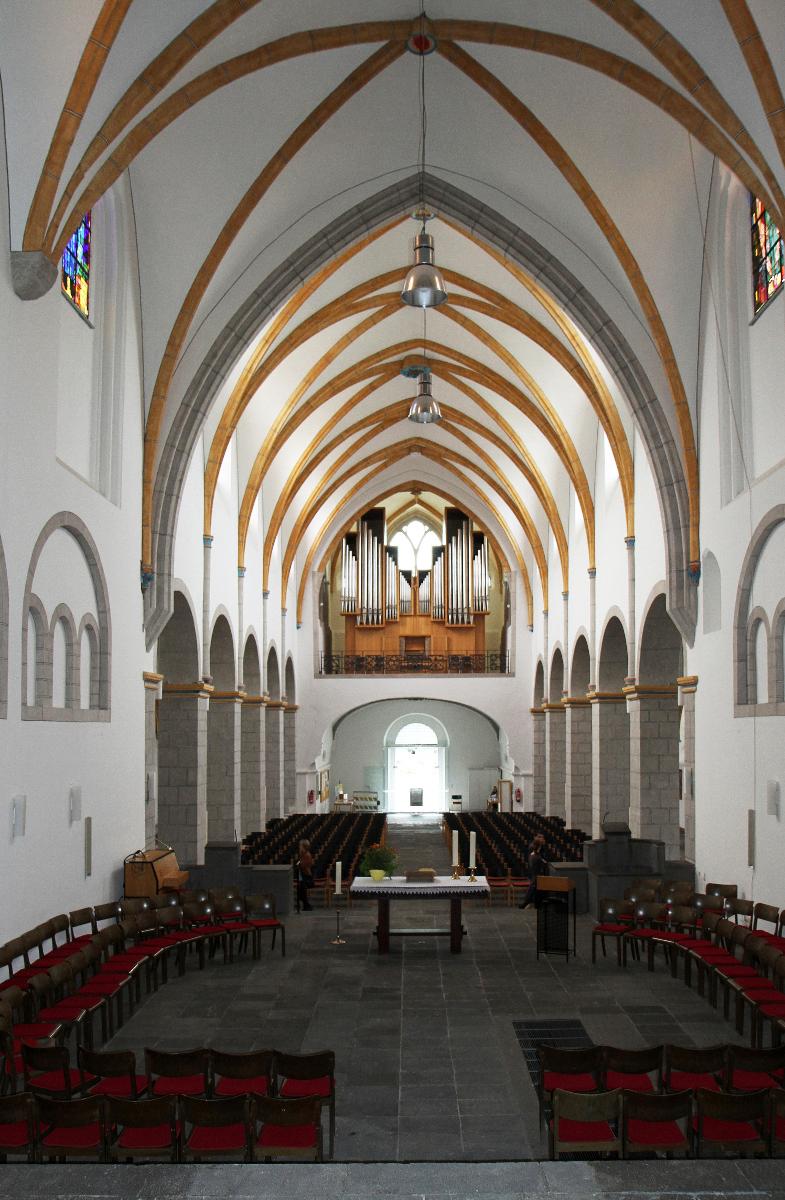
x,y
378,858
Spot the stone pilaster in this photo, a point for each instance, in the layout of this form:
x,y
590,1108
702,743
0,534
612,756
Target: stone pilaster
x,y
538,759
207,543
655,717
252,781
223,767
578,769
631,665
610,759
290,758
688,685
182,769
152,694
555,759
273,757
592,628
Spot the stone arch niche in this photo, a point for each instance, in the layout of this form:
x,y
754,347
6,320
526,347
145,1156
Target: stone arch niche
x,y
610,751
223,738
497,231
577,737
656,807
65,578
289,739
555,735
538,739
182,737
760,602
252,806
273,737
4,635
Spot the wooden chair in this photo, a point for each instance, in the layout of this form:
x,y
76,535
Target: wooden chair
x,y
216,1129
286,1128
740,910
260,913
48,1072
308,1075
751,1068
631,1070
736,1125
777,1122
72,1128
500,885
585,1122
577,1070
17,1127
178,1073
616,918
111,1073
688,1068
242,1074
143,1129
653,1124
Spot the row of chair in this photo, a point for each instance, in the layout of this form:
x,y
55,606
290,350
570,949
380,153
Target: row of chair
x,y
670,1099
503,839
333,837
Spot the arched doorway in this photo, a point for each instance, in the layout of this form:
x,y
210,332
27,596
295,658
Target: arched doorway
x,y
416,760
273,734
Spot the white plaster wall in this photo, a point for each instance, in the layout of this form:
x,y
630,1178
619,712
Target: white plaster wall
x,y
43,872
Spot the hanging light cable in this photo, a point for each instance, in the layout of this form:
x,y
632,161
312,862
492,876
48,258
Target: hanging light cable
x,y
424,407
424,286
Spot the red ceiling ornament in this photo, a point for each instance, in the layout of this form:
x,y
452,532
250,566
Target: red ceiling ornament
x,y
421,43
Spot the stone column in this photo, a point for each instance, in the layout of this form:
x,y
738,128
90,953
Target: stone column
x,y
688,685
182,769
223,767
252,805
610,759
555,759
152,694
631,666
290,758
273,757
538,759
578,782
240,629
208,548
592,628
655,718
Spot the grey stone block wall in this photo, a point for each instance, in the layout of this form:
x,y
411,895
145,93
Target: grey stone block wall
x,y
654,768
223,770
610,762
538,760
182,773
290,760
578,781
555,761
273,759
252,799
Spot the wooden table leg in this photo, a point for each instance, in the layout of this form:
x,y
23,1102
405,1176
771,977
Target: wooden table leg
x,y
456,931
383,927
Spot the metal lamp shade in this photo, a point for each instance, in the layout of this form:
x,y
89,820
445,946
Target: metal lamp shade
x,y
425,409
424,286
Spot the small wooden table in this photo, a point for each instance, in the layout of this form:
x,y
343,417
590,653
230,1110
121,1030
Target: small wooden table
x,y
555,902
399,888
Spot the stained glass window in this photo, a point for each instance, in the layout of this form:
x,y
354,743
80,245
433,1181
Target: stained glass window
x,y
75,275
766,255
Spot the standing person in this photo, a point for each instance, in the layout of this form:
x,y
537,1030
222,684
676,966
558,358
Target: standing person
x,y
538,865
305,873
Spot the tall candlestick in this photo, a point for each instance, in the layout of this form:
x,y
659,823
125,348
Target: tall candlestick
x,y
472,850
337,879
455,859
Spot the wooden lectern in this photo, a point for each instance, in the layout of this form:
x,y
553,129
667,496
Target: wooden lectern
x,y
149,872
554,894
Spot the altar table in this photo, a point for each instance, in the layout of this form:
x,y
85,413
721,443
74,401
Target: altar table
x,y
443,887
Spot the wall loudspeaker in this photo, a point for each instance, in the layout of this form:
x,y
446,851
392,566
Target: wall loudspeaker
x,y
151,788
750,837
18,816
74,804
88,847
773,798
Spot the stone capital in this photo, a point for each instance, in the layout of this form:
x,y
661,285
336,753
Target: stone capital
x,y
32,273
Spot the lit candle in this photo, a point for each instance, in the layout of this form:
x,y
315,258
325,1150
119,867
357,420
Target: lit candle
x,y
472,850
455,859
337,879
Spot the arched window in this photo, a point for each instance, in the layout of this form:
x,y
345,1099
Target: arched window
x,y
767,257
415,542
75,272
416,734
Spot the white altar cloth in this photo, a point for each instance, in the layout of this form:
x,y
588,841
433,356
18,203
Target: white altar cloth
x,y
400,888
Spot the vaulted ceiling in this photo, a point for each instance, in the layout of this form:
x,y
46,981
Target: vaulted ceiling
x,y
272,150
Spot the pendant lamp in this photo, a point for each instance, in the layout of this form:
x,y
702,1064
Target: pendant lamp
x,y
425,408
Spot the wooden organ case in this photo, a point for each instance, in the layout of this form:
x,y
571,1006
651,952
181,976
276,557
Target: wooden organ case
x,y
437,611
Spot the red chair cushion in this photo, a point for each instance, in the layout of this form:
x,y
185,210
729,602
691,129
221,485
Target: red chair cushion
x,y
585,1131
751,1081
14,1134
633,1083
655,1133
77,1137
264,922
103,987
227,1086
294,1137
35,1029
716,1130
54,1081
682,1081
307,1087
179,1085
217,1137
569,1083
605,927
154,1137
120,1086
